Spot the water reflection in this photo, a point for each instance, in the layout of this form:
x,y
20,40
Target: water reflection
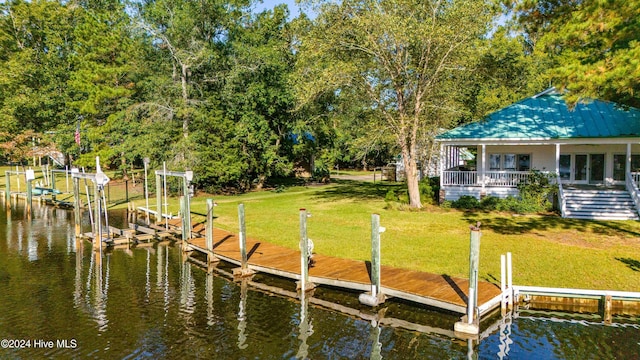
x,y
180,311
376,345
242,315
505,335
305,326
97,290
209,295
32,247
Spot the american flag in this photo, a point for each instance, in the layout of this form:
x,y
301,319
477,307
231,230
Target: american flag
x,y
77,135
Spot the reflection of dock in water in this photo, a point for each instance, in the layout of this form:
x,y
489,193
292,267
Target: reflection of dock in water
x,y
375,316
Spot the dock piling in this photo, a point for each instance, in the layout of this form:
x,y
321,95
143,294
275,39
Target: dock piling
x,y
471,324
304,284
375,297
243,270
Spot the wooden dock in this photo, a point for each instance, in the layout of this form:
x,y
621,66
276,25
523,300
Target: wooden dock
x,y
439,291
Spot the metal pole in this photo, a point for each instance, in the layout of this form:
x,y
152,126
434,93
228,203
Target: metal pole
x,y
126,190
164,167
158,199
146,189
243,236
66,173
209,228
375,254
7,189
187,207
29,197
76,208
53,185
18,177
97,238
474,258
184,223
304,251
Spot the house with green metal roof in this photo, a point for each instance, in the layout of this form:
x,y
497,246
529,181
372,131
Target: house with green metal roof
x,y
593,149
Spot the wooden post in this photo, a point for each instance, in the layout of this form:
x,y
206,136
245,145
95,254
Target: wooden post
x,y
209,231
503,284
97,236
474,258
242,235
243,270
29,196
607,307
209,226
471,324
77,206
374,298
184,222
7,189
509,280
304,284
53,185
158,199
375,254
187,208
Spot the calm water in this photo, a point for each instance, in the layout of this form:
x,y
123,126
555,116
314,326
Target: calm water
x,y
148,303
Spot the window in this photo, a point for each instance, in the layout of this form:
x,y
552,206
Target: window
x,y
494,161
524,162
511,162
619,165
565,167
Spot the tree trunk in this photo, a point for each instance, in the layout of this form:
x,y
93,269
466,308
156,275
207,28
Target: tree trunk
x,y
411,173
185,99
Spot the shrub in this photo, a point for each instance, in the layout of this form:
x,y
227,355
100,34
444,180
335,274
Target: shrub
x,y
490,203
536,191
466,202
390,196
427,191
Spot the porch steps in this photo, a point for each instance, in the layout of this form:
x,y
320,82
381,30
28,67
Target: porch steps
x,y
599,204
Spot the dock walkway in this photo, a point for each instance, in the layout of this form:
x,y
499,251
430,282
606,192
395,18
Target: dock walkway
x,y
440,291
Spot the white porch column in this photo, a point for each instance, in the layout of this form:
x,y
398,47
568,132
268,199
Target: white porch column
x,y
441,164
483,152
558,160
627,165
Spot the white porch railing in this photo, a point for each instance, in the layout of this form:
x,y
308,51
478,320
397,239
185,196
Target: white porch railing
x,y
632,188
491,178
561,200
463,178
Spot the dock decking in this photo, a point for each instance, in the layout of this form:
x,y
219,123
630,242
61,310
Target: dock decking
x,y
440,291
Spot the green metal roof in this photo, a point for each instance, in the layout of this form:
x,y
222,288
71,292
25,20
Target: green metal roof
x,y
546,116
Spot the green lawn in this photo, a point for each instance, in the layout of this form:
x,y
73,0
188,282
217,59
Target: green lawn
x,y
547,250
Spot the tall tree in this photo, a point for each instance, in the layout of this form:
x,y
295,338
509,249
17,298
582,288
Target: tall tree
x,y
256,95
401,58
596,44
35,45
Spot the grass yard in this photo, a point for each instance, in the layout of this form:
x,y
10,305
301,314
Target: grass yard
x,y
547,250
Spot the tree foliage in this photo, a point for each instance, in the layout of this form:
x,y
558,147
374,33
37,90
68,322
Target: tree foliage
x,y
401,59
241,97
596,45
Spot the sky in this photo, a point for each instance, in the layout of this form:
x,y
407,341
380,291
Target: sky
x,y
294,9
